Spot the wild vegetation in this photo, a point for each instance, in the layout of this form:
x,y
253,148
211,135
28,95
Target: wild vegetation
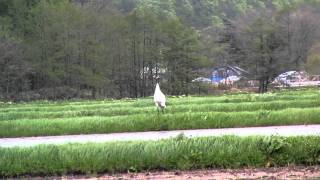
x,y
61,49
175,154
109,116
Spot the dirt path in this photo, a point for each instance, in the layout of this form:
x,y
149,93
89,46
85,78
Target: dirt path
x,y
156,135
259,173
295,172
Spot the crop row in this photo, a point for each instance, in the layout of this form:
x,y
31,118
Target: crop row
x,y
285,95
171,102
178,153
150,122
121,111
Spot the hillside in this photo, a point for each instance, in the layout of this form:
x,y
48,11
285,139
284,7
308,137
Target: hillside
x,y
91,49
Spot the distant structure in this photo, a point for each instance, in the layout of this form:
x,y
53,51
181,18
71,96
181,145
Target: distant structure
x,y
225,74
295,79
159,98
202,79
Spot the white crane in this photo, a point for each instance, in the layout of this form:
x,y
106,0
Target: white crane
x,y
159,98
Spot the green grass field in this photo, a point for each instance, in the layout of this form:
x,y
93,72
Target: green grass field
x,y
107,116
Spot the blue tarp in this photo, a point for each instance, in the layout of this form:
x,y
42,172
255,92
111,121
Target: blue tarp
x,y
216,79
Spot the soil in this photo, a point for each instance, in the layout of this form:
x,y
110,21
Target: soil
x,y
292,172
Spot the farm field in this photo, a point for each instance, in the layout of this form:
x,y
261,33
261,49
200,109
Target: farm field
x,y
44,118
110,116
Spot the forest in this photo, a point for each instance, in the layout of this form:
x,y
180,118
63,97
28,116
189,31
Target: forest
x,y
61,49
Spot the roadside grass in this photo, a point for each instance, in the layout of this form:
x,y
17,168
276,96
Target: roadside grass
x,y
155,122
179,153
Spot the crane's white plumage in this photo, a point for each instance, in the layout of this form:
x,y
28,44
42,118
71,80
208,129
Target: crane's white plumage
x,y
159,97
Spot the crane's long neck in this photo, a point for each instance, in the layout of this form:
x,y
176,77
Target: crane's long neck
x,y
157,88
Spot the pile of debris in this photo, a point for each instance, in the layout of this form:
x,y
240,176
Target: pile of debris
x,y
294,79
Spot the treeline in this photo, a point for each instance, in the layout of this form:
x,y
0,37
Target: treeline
x,y
55,49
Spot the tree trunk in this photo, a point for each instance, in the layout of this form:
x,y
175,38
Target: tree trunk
x,y
94,92
263,85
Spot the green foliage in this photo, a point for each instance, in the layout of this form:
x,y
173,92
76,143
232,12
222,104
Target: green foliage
x,y
206,152
163,9
118,48
5,27
180,56
272,146
312,65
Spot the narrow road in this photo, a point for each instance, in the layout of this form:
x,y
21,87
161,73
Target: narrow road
x,y
300,130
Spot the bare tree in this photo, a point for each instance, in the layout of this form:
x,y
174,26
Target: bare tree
x,y
298,31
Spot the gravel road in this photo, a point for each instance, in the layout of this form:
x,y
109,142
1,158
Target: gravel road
x,y
299,130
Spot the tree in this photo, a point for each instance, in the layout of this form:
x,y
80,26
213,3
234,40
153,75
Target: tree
x,y
180,54
298,30
312,65
13,68
66,47
260,45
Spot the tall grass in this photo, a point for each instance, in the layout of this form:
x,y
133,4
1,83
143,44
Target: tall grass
x,y
150,122
178,153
